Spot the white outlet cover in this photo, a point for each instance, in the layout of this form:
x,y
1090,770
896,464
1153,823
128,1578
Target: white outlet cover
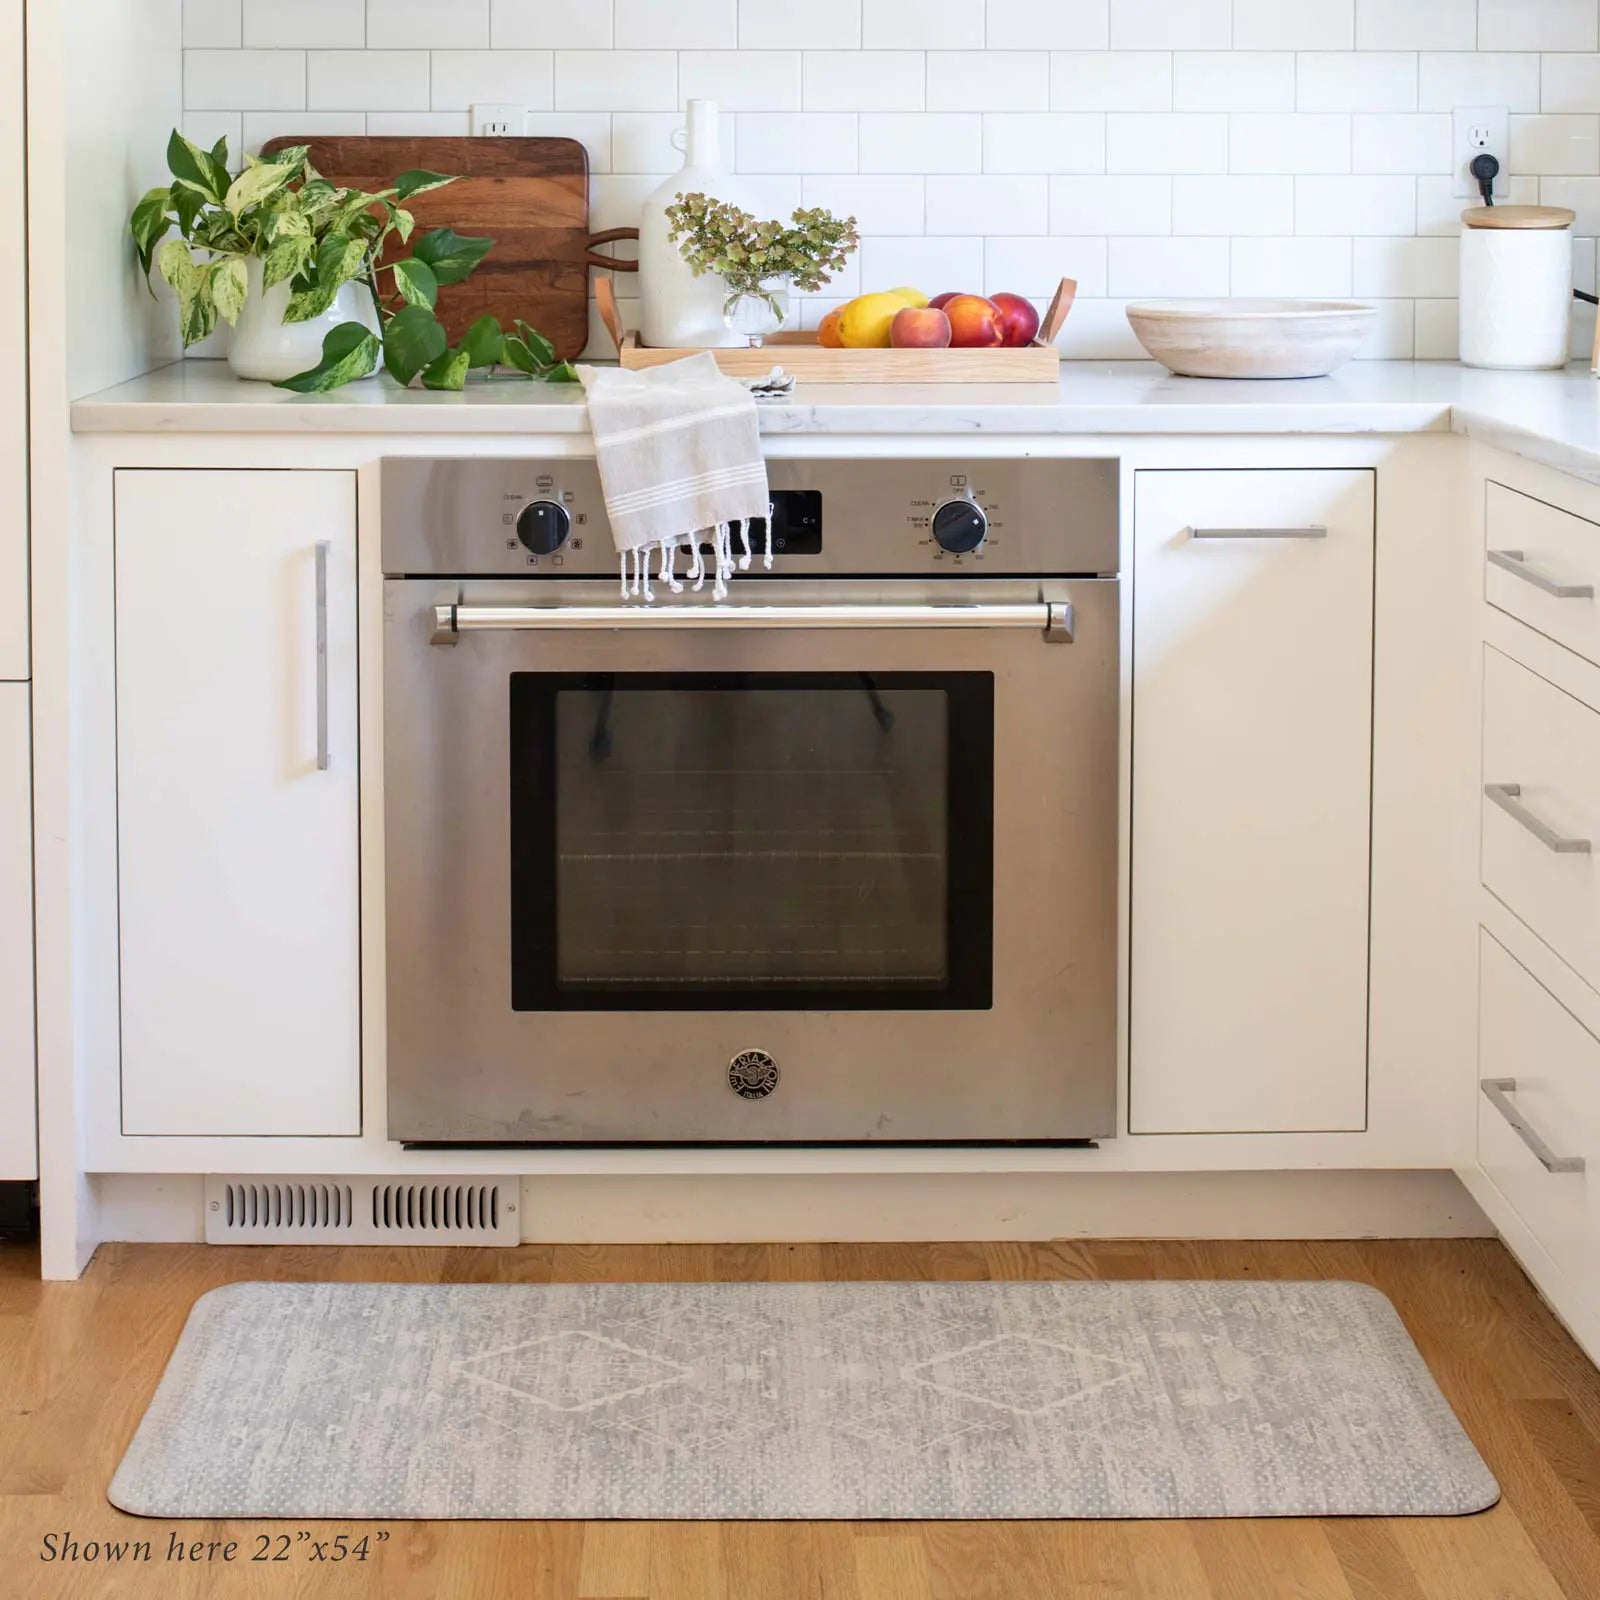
x,y
1481,130
499,120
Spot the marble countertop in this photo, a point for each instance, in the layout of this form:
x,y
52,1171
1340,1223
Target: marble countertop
x,y
1553,417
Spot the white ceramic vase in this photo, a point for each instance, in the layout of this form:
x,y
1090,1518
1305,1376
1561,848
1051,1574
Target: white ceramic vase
x,y
675,307
264,346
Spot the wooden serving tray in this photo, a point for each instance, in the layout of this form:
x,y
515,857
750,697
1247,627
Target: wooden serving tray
x,y
810,362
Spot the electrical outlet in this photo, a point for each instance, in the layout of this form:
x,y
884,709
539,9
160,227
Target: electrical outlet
x,y
498,121
1481,130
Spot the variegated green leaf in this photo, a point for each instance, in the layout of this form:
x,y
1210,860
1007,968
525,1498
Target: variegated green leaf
x,y
350,351
285,259
448,372
256,184
228,284
416,283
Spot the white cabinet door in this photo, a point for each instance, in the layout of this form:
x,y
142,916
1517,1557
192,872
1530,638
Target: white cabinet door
x,y
1252,756
14,654
18,1142
238,851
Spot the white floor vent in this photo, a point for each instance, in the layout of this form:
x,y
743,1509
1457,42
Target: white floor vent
x,y
275,1210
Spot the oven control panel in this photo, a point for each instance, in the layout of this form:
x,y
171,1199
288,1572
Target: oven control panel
x,y
464,517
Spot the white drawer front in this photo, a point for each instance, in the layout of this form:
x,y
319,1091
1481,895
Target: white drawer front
x,y
1529,1039
1541,809
1542,565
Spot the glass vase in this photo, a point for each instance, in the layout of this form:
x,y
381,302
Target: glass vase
x,y
758,311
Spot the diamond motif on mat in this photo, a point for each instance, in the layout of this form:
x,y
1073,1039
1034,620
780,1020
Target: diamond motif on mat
x,y
571,1371
697,1425
1020,1374
696,1325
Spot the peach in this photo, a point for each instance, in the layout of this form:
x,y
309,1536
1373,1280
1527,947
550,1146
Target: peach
x,y
1018,318
828,330
919,328
975,323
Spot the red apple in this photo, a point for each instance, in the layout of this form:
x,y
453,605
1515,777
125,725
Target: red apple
x,y
940,301
1018,318
918,328
975,323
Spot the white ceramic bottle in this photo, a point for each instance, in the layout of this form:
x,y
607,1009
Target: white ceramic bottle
x,y
1516,286
675,307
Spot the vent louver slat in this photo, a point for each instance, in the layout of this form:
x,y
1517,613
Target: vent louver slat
x,y
350,1210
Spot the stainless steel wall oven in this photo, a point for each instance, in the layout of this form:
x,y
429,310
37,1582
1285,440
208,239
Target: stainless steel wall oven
x,y
834,861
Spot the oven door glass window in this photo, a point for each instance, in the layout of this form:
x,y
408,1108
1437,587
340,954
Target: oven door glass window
x,y
752,841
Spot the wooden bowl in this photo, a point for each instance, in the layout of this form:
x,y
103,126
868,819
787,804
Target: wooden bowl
x,y
1251,338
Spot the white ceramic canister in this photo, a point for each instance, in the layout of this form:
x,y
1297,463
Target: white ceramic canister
x,y
675,307
264,346
1516,286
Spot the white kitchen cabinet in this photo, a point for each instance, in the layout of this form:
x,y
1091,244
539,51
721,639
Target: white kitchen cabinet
x,y
14,652
1251,833
18,1144
237,802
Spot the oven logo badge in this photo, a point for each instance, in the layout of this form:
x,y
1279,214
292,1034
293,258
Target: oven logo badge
x,y
753,1074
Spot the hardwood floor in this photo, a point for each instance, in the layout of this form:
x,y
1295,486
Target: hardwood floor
x,y
78,1362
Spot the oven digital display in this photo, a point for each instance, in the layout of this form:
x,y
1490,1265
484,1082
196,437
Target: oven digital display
x,y
795,525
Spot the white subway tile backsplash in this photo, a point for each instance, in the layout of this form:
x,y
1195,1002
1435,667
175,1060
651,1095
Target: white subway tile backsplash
x,y
616,80
1356,80
1166,142
741,80
1346,207
783,25
1049,24
921,141
428,25
988,80
1289,142
922,24
212,24
1141,268
1043,141
244,80
465,78
680,25
1401,141
1311,267
304,24
1233,205
1294,24
1233,80
880,204
1406,268
1171,24
777,141
1036,266
1537,24
1478,78
376,80
1128,206
1560,146
1570,83
1111,80
863,80
991,204
1143,147
550,24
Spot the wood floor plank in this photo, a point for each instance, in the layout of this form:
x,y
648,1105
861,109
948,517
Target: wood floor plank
x,y
1266,1559
892,1566
616,1561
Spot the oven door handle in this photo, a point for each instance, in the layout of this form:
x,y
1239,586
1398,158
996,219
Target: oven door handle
x,y
1053,620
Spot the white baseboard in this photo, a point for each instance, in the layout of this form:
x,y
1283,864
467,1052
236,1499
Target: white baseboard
x,y
892,1207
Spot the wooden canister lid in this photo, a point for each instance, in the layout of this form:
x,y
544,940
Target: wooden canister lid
x,y
1518,217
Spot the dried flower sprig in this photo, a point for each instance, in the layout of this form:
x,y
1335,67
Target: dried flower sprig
x,y
716,237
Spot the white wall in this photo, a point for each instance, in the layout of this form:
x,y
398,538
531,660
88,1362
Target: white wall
x,y
1146,147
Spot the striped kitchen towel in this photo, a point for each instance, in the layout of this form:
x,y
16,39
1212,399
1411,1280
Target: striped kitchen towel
x,y
680,459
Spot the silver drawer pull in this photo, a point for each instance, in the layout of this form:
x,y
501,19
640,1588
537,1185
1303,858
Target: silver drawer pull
x,y
1514,562
1258,533
1508,796
1498,1092
324,757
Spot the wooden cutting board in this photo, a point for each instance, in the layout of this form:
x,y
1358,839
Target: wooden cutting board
x,y
531,196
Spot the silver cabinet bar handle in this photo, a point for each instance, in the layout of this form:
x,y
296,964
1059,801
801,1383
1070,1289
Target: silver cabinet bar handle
x,y
324,757
1259,533
1508,796
1498,1092
1516,563
1054,621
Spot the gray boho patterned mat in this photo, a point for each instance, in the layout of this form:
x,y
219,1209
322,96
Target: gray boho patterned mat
x,y
853,1400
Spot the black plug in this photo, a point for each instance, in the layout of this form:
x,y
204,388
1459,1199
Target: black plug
x,y
1485,169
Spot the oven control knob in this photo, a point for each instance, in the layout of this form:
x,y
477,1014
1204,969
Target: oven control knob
x,y
543,526
960,526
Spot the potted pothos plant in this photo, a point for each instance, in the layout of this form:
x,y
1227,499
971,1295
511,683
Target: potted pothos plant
x,y
278,252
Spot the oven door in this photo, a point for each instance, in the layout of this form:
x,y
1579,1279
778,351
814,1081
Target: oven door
x,y
832,870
